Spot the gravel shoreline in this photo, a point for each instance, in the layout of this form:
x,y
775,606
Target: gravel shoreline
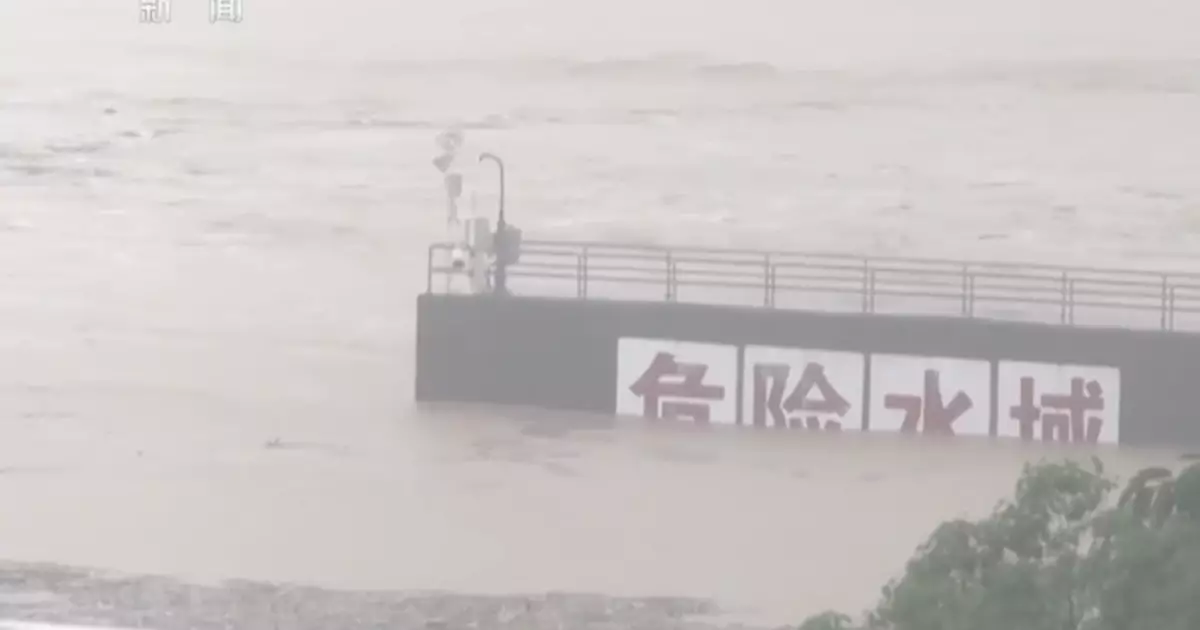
x,y
56,594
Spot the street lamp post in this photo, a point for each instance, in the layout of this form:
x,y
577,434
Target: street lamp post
x,y
501,281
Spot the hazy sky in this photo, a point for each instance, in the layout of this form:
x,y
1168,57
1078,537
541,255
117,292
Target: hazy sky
x,y
785,32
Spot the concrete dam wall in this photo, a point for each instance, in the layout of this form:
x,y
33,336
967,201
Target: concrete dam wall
x,y
753,366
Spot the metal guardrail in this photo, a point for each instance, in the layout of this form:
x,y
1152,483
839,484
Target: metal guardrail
x,y
848,283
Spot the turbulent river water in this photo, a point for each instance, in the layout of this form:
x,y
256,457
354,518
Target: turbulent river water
x,y
212,235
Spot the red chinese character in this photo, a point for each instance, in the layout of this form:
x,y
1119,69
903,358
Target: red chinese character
x,y
686,381
770,381
928,412
1067,422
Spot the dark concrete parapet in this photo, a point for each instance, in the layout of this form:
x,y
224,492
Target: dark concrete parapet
x,y
566,354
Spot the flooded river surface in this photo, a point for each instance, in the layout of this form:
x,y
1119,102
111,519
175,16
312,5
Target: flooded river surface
x,y
212,237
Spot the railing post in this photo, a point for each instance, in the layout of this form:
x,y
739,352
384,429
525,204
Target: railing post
x,y
584,259
965,288
866,285
670,277
774,284
579,274
1062,315
971,296
768,294
1171,318
1163,322
1071,302
871,293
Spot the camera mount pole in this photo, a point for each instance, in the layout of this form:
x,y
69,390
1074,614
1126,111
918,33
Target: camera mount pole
x,y
501,284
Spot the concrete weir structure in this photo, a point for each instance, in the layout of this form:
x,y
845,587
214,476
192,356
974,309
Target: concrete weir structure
x,y
822,342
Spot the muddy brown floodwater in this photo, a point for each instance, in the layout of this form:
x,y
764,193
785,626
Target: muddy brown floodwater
x,y
212,236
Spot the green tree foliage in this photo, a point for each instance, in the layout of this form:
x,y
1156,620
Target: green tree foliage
x,y
1057,556
1150,495
828,621
1187,493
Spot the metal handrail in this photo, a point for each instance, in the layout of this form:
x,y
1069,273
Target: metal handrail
x,y
775,274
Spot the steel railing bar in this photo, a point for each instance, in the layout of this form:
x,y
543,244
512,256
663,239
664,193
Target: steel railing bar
x,y
777,273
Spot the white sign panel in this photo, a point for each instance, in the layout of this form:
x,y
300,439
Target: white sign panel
x,y
1059,403
930,395
677,380
795,388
